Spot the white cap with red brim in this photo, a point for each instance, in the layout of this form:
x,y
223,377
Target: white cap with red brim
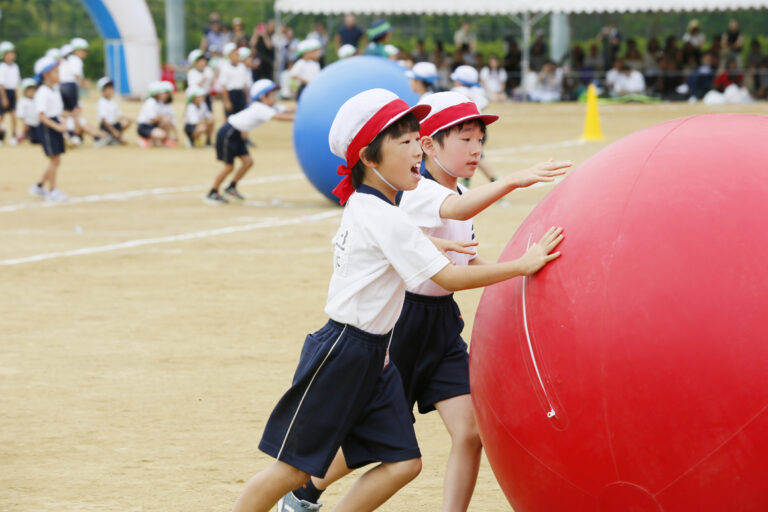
x,y
359,120
448,109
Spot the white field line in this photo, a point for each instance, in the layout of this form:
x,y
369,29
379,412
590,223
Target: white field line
x,y
131,194
534,147
130,244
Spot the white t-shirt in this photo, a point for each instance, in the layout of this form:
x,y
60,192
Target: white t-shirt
x,y
48,101
109,112
632,84
378,252
493,79
166,109
252,117
194,114
26,111
202,79
149,111
305,70
422,205
475,94
10,77
70,69
232,77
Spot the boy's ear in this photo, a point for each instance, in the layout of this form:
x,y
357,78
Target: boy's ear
x,y
364,159
428,145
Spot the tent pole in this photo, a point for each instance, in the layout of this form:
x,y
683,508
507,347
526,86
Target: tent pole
x,y
526,63
278,54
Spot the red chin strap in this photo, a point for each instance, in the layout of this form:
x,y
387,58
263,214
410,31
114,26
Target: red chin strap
x,y
367,133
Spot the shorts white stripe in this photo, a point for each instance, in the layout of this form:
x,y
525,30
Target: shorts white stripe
x,y
288,432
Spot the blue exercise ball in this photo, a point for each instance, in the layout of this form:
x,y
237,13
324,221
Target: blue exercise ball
x,y
320,101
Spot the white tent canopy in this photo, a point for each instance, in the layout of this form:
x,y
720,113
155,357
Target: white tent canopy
x,y
509,7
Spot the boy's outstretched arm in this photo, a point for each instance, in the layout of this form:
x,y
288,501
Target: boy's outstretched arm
x,y
472,202
454,278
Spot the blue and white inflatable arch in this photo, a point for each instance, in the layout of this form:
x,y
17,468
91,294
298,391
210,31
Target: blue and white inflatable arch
x,y
130,42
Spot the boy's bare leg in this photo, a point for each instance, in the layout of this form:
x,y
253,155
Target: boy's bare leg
x,y
377,485
247,163
264,489
217,181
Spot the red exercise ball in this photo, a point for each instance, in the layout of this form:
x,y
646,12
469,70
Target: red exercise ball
x,y
632,373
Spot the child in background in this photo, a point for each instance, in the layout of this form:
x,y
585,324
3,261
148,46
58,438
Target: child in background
x,y
378,34
198,120
230,139
493,77
50,108
247,65
154,125
307,67
345,392
346,51
423,77
111,118
10,78
233,78
27,112
201,75
71,70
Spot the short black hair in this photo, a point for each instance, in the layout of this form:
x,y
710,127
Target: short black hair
x,y
440,136
406,124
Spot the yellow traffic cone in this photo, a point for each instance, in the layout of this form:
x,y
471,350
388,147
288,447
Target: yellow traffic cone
x,y
592,130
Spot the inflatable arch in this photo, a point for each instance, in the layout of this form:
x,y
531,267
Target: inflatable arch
x,y
130,42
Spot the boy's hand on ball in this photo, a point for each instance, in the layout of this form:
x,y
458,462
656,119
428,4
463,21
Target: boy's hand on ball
x,y
540,253
541,172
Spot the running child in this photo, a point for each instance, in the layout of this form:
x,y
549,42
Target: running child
x,y
201,75
10,78
233,78
345,391
423,77
72,79
111,118
307,68
27,112
50,108
230,139
154,125
198,120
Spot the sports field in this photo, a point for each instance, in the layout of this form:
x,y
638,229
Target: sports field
x,y
146,336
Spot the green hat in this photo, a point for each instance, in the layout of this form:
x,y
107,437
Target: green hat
x,y
378,28
194,92
5,47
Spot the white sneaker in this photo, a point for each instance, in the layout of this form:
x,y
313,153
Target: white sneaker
x,y
37,191
13,141
101,142
75,140
56,195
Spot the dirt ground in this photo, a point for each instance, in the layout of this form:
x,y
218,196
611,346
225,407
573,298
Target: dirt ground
x,y
146,336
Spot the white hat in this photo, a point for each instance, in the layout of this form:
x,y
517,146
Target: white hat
x,y
359,120
262,87
194,92
307,45
391,50
244,52
66,50
228,48
43,65
346,50
5,47
155,87
424,71
194,55
27,83
466,75
167,86
79,43
448,109
53,53
103,82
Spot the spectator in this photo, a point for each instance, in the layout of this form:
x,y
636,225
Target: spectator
x,y
610,37
694,35
287,44
468,56
732,41
349,33
546,85
263,50
594,59
494,79
700,81
755,55
633,58
464,36
420,53
321,35
690,56
629,81
538,55
443,65
215,37
613,75
238,34
673,52
730,75
512,62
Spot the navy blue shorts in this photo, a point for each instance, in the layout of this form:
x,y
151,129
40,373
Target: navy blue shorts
x,y
117,126
52,141
428,351
69,95
229,144
11,95
33,134
145,130
342,396
238,100
189,129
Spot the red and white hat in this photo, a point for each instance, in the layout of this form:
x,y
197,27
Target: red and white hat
x,y
448,109
359,120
